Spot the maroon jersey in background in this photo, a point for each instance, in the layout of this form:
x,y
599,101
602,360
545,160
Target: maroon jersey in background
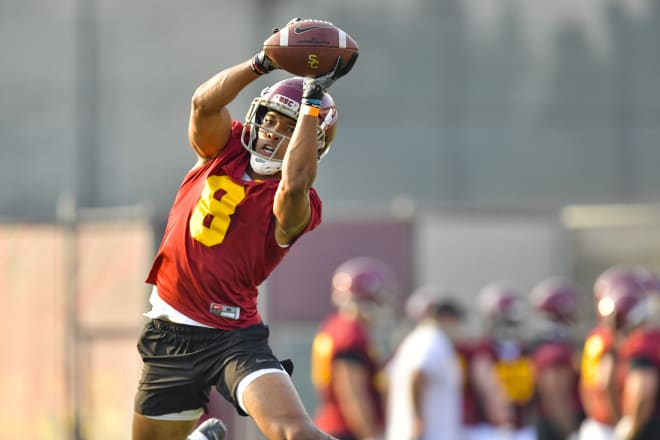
x,y
341,337
563,354
208,266
598,343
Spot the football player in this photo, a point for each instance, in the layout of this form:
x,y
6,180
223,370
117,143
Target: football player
x,y
503,352
345,364
236,214
639,366
616,291
556,357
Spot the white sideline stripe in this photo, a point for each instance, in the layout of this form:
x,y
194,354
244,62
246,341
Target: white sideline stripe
x,y
284,37
342,39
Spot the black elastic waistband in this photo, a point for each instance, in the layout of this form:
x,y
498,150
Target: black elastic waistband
x,y
184,329
193,330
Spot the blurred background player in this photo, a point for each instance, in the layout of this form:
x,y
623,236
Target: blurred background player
x,y
236,214
504,349
616,291
345,364
424,377
486,408
638,370
556,357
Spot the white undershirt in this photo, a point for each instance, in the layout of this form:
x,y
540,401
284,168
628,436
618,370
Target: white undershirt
x,y
162,310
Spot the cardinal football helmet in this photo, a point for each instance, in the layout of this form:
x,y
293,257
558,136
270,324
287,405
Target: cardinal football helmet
x,y
501,302
556,298
364,279
285,97
619,274
619,293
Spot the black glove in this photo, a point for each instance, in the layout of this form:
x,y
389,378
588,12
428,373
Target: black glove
x,y
314,87
261,64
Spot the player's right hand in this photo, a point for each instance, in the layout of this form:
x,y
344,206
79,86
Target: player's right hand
x,y
260,63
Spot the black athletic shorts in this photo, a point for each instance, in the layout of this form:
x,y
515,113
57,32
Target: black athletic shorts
x,y
650,431
182,362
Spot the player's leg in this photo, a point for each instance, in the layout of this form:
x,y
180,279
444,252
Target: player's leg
x,y
145,428
149,428
273,402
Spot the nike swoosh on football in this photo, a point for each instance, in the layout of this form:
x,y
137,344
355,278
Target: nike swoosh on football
x,y
302,30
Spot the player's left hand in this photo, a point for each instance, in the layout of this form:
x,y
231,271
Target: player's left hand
x,y
261,64
314,87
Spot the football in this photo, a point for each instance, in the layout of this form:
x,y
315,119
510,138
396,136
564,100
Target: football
x,y
309,47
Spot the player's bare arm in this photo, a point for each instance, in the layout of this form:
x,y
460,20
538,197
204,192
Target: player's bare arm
x,y
419,383
607,383
210,122
351,389
291,206
491,391
639,397
554,391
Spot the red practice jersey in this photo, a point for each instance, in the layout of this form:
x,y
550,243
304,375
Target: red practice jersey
x,y
598,343
219,242
341,337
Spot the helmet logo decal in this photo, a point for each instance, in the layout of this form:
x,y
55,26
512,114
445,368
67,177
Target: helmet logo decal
x,y
286,102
